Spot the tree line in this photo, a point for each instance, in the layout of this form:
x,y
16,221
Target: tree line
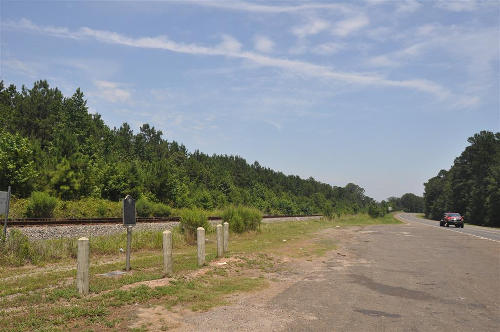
x,y
471,186
51,143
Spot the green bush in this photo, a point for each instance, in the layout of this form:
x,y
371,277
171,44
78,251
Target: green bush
x,y
147,208
41,205
191,219
376,211
242,219
88,208
328,212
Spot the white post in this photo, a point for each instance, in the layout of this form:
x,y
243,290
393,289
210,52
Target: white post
x,y
129,247
200,239
220,241
82,269
167,253
226,236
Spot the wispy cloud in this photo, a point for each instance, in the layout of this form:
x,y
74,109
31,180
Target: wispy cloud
x,y
314,26
231,48
349,25
263,44
327,48
111,91
263,8
457,5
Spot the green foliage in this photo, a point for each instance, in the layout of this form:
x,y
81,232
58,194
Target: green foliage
x,y
191,219
88,208
471,186
17,168
41,205
408,202
17,249
377,210
49,142
241,218
147,208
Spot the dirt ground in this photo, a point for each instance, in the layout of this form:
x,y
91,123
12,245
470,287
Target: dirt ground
x,y
254,310
407,277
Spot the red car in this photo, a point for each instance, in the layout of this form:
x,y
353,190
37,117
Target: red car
x,y
452,218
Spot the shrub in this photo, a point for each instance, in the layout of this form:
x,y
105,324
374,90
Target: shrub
x,y
147,208
41,205
191,219
242,219
88,208
376,211
17,249
328,212
144,207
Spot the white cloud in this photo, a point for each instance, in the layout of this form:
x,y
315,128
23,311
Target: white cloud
x,y
408,6
260,8
327,48
229,44
350,25
29,69
228,48
382,61
263,44
457,5
314,26
111,91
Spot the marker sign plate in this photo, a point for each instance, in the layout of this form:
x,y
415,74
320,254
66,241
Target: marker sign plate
x,y
4,196
128,211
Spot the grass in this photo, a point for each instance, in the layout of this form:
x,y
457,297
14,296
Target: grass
x,y
51,284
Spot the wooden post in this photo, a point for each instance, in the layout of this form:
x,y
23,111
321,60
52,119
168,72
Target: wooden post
x,y
226,236
82,268
200,239
220,241
167,253
129,247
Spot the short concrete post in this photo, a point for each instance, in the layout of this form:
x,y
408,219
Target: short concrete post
x,y
226,236
129,248
82,268
200,239
220,241
167,253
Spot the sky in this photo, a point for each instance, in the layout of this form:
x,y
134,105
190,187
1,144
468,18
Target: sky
x,y
383,94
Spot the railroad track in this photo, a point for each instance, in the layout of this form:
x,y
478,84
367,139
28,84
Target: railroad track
x,y
23,222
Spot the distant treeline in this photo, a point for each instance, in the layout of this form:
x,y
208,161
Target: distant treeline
x,y
471,186
408,202
50,143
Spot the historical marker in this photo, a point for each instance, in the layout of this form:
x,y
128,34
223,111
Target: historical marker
x,y
128,211
4,208
129,222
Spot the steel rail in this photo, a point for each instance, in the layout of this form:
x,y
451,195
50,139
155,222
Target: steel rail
x,y
24,222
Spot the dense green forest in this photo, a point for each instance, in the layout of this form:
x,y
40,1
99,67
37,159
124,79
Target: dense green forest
x,y
471,186
50,143
408,202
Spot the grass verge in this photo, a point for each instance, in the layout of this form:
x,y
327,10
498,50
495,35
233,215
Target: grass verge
x,y
59,307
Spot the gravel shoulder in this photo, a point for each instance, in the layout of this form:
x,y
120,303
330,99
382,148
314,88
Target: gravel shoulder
x,y
407,277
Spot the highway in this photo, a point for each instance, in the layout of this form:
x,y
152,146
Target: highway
x,y
414,276
485,233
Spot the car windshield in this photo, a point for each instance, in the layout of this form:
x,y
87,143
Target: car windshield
x,y
453,214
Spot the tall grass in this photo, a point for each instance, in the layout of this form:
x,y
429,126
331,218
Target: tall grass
x,y
147,208
41,205
18,249
191,219
242,219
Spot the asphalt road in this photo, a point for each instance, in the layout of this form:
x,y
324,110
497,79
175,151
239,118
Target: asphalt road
x,y
484,233
410,277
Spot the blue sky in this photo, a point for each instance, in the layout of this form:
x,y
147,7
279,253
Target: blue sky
x,y
380,93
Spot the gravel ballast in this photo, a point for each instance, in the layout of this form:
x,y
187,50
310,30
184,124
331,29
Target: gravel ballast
x,y
76,231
